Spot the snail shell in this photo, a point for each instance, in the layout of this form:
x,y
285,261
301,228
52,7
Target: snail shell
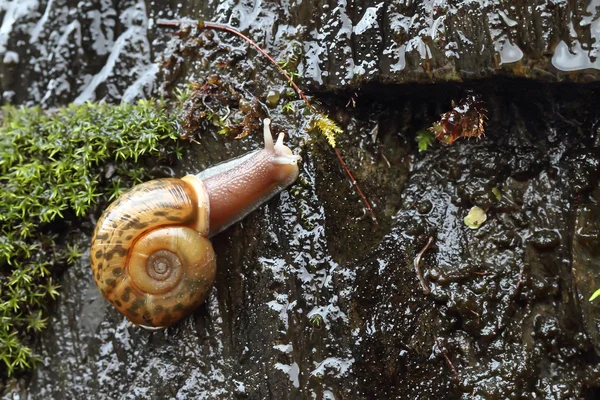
x,y
150,254
155,265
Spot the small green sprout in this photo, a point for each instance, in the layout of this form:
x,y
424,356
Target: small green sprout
x,y
116,188
50,289
289,108
284,63
35,321
73,253
594,295
290,64
497,193
183,93
224,130
424,139
293,75
316,320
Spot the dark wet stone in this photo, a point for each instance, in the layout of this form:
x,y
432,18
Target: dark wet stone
x,y
378,43
545,239
333,46
424,207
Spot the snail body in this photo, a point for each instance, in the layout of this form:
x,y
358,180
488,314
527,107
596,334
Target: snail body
x,y
151,255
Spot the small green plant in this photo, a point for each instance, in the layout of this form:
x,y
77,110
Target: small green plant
x,y
53,168
72,253
497,193
424,139
327,127
290,64
316,320
289,108
595,295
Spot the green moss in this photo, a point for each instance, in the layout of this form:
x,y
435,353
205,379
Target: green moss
x,y
53,168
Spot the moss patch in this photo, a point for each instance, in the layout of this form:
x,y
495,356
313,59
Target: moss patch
x,y
54,167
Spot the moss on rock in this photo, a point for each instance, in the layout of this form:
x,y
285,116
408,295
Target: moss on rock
x,y
54,168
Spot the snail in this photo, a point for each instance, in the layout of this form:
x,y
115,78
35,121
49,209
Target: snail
x,y
151,255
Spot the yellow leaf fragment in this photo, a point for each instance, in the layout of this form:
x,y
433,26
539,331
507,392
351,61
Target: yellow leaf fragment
x,y
497,193
327,127
475,218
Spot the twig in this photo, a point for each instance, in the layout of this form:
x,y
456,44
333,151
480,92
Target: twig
x,y
446,357
375,132
360,193
482,273
212,25
386,160
520,276
417,263
352,100
476,314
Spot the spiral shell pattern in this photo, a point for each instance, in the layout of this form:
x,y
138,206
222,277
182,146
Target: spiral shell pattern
x,y
150,253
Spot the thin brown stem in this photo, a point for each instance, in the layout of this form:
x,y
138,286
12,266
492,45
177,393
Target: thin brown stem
x,y
417,264
437,342
360,193
520,276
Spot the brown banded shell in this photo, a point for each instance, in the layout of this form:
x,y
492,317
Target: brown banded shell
x,y
150,253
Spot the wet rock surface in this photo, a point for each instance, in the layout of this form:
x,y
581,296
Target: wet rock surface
x,y
347,44
315,300
310,302
63,48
